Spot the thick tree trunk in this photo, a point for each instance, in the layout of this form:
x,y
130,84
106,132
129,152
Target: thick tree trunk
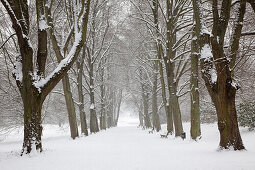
x,y
227,120
30,69
222,90
195,130
32,124
70,107
176,114
224,101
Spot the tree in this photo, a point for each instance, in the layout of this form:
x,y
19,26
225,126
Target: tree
x,y
195,130
30,77
217,66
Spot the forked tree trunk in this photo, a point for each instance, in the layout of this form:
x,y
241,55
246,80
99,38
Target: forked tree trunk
x,y
30,68
170,69
223,89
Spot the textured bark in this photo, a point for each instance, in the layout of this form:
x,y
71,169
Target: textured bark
x,y
252,3
227,117
32,103
195,130
223,91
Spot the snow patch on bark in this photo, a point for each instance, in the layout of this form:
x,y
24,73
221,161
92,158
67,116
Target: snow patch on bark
x,y
18,69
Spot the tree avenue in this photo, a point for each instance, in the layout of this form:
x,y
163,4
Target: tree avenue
x,y
169,62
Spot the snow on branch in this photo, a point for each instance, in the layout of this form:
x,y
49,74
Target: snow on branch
x,y
40,82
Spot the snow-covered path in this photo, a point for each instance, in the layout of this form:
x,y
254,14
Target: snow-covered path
x,y
127,148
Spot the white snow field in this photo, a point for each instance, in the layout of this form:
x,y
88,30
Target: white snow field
x,y
127,148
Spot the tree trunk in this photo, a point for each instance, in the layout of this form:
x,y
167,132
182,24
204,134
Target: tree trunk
x,y
155,116
147,121
140,118
169,115
195,130
84,129
93,116
32,124
176,115
70,107
118,107
155,4
102,89
170,71
224,102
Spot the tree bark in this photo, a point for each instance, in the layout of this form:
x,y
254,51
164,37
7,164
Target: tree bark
x,y
93,116
84,129
195,130
70,107
223,90
32,122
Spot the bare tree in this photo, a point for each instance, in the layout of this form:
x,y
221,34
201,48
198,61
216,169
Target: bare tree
x,y
33,85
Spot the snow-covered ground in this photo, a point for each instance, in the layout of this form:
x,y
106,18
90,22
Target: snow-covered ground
x,y
127,148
